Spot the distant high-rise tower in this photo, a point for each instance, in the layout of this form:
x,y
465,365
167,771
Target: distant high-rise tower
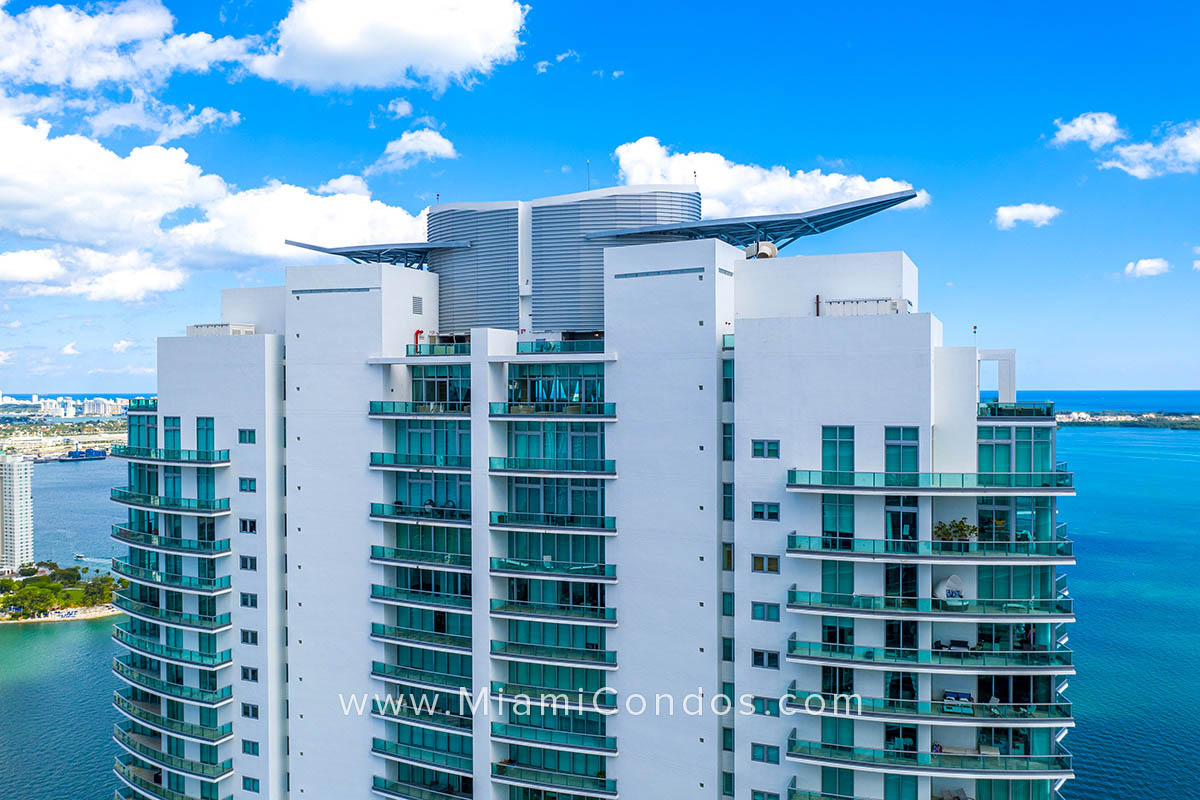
x,y
16,512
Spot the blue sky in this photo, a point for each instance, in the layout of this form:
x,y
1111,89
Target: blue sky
x,y
152,154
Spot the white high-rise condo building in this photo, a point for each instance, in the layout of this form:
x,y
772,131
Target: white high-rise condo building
x,y
523,461
16,512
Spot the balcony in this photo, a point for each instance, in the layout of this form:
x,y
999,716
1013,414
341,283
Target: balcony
x,y
410,462
423,677
546,567
548,737
402,710
190,547
1058,550
451,349
554,409
404,556
543,695
1038,409
520,651
187,458
423,756
570,467
956,659
150,748
802,794
173,505
591,615
929,608
147,714
967,764
409,791
530,520
142,404
153,683
418,597
148,780
564,346
386,409
418,637
176,654
161,615
940,712
1057,483
443,515
522,775
185,583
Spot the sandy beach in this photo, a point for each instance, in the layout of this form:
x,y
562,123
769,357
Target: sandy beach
x,y
69,615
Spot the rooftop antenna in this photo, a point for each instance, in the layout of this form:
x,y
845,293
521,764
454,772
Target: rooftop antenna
x,y
975,335
437,198
589,174
695,182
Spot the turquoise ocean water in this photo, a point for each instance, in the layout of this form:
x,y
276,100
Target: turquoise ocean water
x,y
1136,644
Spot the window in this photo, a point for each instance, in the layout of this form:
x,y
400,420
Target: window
x,y
250,674
727,380
900,450
726,648
247,485
759,794
760,563
727,739
249,600
249,637
727,604
250,784
727,777
768,612
727,501
249,748
248,525
727,556
766,753
249,711
727,441
764,448
248,563
764,659
766,706
246,436
837,448
837,521
765,511
204,433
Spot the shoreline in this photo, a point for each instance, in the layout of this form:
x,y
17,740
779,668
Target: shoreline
x,y
88,612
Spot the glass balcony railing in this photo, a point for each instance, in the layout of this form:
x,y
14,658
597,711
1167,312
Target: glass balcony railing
x,y
158,686
174,726
123,733
420,556
129,497
451,349
188,546
565,346
425,755
580,655
518,519
143,575
1037,408
148,781
129,605
565,407
408,711
946,709
605,466
409,791
598,613
984,762
549,737
399,595
1060,606
950,657
929,480
547,694
391,407
803,794
203,457
157,650
143,404
427,511
1051,548
415,675
562,780
432,460
545,566
417,635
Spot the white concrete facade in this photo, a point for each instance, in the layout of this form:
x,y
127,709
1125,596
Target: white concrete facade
x,y
16,512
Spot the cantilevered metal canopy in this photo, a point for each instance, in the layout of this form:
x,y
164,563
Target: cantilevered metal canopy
x,y
779,229
414,254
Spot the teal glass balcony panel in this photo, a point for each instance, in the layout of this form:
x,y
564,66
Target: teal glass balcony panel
x,y
801,794
945,709
199,457
147,716
421,556
143,404
1058,762
599,613
518,519
143,575
452,349
982,659
572,569
1050,548
1043,409
409,791
565,346
930,480
400,407
548,737
420,460
547,694
158,686
152,648
1060,606
394,672
581,655
189,504
564,407
408,752
605,466
144,780
419,636
145,747
727,341
401,511
419,596
409,711
191,547
560,780
132,606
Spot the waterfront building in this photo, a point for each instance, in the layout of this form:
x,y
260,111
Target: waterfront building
x,y
528,457
16,512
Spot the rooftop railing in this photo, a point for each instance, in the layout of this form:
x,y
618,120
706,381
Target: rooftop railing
x,y
452,349
565,346
1043,409
564,407
143,404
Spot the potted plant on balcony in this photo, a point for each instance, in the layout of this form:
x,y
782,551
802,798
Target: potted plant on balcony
x,y
956,530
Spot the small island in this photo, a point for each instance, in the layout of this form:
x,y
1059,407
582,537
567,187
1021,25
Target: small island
x,y
1128,419
47,592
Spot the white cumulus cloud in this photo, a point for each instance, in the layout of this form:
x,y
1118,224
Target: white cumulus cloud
x,y
1095,129
412,147
1177,151
1036,214
121,345
346,184
5,356
69,349
169,122
398,107
1147,267
732,189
